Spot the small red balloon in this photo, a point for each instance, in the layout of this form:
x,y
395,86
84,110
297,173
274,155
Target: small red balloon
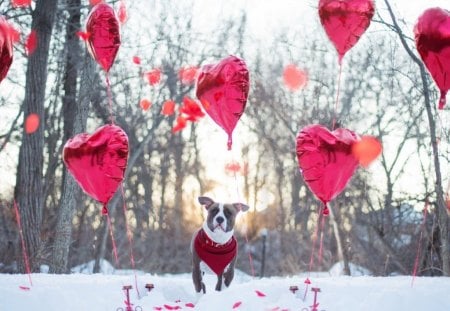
x,y
345,21
180,124
224,87
366,150
6,47
294,78
137,60
187,75
31,42
122,12
21,3
325,159
145,104
104,40
432,35
191,109
32,123
153,77
98,161
168,108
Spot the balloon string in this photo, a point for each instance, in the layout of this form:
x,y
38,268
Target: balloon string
x,y
250,258
314,241
113,241
419,246
337,96
109,93
24,249
130,240
322,225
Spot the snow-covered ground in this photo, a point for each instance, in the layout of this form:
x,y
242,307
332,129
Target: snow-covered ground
x,y
92,292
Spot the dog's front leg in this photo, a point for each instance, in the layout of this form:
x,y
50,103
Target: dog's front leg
x,y
219,282
197,275
229,273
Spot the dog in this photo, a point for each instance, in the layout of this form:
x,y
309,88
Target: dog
x,y
214,244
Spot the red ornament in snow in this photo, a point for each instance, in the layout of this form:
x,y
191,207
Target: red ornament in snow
x,y
104,39
98,161
432,34
345,21
326,160
223,90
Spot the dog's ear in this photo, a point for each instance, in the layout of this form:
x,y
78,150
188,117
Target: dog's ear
x,y
205,201
241,207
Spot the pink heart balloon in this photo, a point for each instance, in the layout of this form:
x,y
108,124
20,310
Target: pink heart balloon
x,y
345,21
223,90
98,161
6,48
325,159
432,34
103,30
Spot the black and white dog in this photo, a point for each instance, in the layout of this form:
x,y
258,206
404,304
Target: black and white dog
x,y
214,244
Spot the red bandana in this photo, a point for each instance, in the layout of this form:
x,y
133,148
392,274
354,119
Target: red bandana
x,y
216,256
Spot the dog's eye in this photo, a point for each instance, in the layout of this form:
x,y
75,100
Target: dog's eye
x,y
215,210
227,213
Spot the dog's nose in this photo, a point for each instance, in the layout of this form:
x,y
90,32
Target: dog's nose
x,y
220,220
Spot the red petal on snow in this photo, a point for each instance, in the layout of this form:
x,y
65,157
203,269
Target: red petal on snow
x,y
122,13
188,74
168,108
24,287
145,104
32,123
20,3
260,294
237,304
153,76
83,35
137,60
294,78
31,42
168,307
181,124
190,305
157,308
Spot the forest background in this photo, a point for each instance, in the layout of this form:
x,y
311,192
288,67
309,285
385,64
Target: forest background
x,y
385,92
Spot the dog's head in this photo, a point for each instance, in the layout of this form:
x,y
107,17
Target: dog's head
x,y
219,224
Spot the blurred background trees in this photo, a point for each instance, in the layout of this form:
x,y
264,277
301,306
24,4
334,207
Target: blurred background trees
x,y
378,217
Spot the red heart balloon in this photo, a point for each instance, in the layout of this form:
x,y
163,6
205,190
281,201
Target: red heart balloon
x,y
6,48
325,159
98,161
432,34
345,21
103,30
223,90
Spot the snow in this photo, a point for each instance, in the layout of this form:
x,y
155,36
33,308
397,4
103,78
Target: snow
x,y
80,291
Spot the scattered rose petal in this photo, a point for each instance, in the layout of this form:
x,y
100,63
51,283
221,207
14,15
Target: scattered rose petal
x,y
187,75
122,13
31,42
24,288
83,35
145,104
294,78
32,123
21,3
190,305
157,308
237,304
260,294
153,76
367,150
168,108
180,124
137,60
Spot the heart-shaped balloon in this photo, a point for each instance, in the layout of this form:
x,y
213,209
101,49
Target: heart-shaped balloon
x,y
345,21
325,159
432,34
98,161
223,90
103,30
6,48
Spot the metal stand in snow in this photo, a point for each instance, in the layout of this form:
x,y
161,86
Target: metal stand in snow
x,y
128,304
315,290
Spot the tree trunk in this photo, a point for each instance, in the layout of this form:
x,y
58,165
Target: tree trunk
x,y
75,116
29,191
